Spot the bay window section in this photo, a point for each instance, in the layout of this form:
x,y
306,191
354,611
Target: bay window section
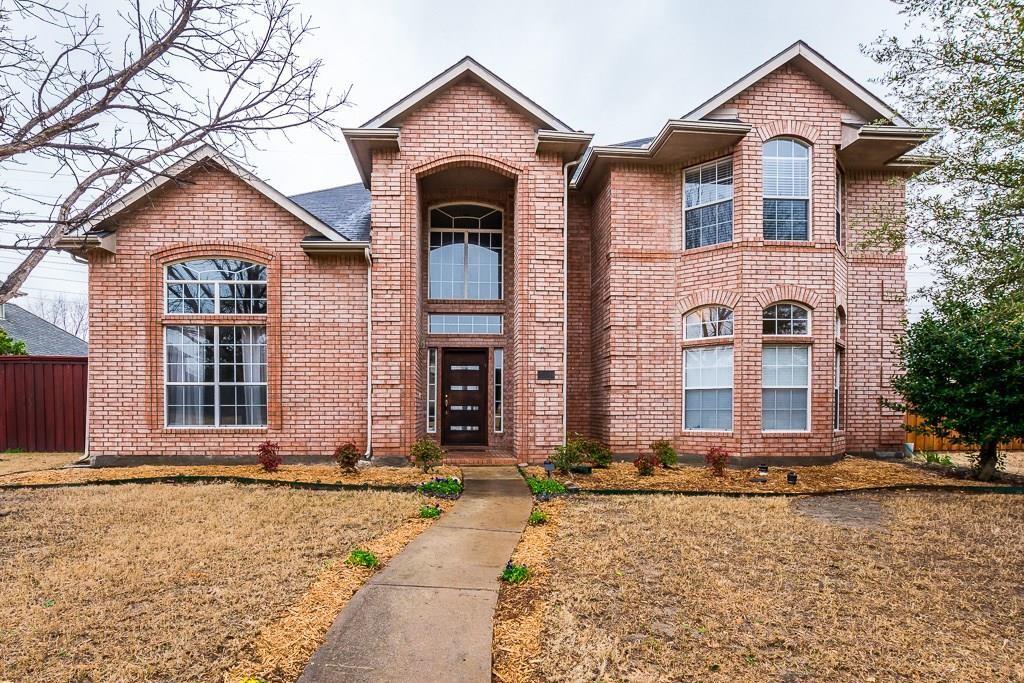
x,y
465,253
216,376
786,183
709,321
707,396
708,214
785,386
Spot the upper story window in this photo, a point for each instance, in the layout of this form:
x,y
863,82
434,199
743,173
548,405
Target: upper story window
x,y
216,286
708,192
840,325
787,170
709,321
840,189
786,319
465,252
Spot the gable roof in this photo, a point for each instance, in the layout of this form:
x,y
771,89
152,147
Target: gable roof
x,y
41,337
207,153
825,72
346,209
490,80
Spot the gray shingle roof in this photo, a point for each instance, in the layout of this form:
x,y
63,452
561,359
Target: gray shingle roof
x,y
345,209
41,338
642,142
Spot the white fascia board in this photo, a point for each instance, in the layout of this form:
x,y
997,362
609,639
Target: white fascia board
x,y
801,49
457,70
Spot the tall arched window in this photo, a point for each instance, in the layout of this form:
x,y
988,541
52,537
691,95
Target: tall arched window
x,y
787,189
709,321
465,252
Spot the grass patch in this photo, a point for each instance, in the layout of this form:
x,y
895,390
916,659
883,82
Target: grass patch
x,y
164,582
743,589
540,486
442,487
362,558
536,517
429,511
14,461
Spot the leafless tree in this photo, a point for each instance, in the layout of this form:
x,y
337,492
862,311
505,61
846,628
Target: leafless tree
x,y
104,99
67,313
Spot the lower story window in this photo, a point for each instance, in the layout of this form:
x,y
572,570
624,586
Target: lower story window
x,y
216,376
499,369
708,394
837,392
463,323
784,388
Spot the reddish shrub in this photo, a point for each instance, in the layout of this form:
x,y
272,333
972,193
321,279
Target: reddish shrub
x,y
269,456
347,455
716,457
645,463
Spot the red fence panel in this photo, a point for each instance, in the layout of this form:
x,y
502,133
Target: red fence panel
x,y
42,403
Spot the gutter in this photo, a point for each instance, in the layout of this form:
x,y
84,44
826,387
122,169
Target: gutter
x,y
565,298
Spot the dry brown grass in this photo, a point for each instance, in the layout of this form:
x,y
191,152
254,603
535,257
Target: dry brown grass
x,y
659,588
322,474
851,473
30,462
164,582
1014,460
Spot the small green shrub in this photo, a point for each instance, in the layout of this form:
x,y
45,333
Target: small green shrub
x,y
426,454
537,517
441,487
933,458
362,558
545,487
665,454
347,455
430,511
567,456
645,463
515,573
591,450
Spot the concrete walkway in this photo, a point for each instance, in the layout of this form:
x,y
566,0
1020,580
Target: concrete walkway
x,y
427,616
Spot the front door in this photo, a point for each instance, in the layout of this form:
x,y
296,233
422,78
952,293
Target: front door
x,y
464,397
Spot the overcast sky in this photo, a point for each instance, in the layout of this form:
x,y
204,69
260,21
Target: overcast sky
x,y
615,69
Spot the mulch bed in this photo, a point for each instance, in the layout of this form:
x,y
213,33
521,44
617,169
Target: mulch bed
x,y
849,474
302,476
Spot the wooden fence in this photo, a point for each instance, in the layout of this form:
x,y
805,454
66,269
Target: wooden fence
x,y
42,403
926,442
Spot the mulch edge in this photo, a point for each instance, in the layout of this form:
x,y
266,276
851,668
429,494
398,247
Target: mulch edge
x,y
194,478
961,488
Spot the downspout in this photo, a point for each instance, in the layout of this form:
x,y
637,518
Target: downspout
x,y
565,299
369,353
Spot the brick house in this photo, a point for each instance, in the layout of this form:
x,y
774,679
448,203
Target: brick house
x,y
495,281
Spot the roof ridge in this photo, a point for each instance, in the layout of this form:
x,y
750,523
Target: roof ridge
x,y
326,189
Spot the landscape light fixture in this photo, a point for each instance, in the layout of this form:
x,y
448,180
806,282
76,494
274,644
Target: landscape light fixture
x,y
762,470
791,477
549,467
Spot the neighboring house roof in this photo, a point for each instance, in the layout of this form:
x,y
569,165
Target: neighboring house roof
x,y
346,209
41,337
642,142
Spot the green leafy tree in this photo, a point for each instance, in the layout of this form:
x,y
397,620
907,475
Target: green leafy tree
x,y
963,73
963,370
10,347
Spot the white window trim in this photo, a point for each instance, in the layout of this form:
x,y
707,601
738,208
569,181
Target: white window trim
x,y
686,208
732,387
431,395
216,384
494,394
466,232
216,287
701,308
810,187
810,383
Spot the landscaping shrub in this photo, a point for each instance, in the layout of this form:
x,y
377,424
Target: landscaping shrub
x,y
537,517
545,487
430,511
645,463
347,455
567,456
441,487
426,454
268,453
362,558
716,457
515,573
592,451
665,454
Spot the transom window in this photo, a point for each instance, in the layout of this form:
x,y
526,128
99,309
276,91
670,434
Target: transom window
x,y
465,252
707,397
216,376
786,319
785,378
709,321
216,286
786,168
708,215
464,323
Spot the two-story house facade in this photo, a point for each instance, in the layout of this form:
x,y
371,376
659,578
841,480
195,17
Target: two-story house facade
x,y
495,282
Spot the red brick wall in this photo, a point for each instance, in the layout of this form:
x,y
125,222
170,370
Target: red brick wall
x,y
316,325
644,282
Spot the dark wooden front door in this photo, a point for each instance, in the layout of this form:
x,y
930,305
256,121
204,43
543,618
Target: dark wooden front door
x,y
464,397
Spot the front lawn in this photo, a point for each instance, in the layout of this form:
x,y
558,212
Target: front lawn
x,y
11,462
166,582
860,587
